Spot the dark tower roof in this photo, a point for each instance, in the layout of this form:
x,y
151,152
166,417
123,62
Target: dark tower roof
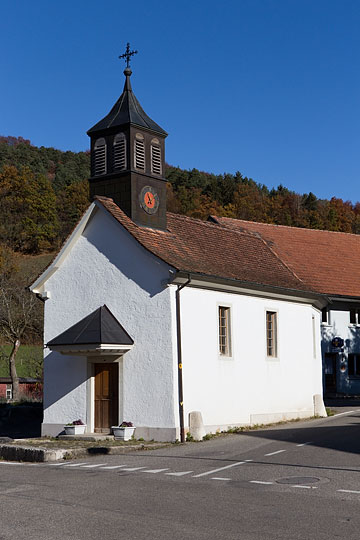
x,y
99,327
127,110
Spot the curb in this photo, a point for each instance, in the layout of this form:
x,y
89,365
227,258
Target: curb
x,y
42,455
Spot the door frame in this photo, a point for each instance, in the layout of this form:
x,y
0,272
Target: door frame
x,y
90,390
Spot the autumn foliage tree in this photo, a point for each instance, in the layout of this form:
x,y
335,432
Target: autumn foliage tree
x,y
19,313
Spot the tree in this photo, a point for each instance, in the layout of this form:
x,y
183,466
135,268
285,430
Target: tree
x,y
19,315
29,221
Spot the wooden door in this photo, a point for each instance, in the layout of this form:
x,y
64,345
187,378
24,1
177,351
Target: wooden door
x,y
106,397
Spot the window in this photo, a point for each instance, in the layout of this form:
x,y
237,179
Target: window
x,y
139,152
9,391
325,316
119,152
99,157
354,316
155,157
224,331
354,365
271,334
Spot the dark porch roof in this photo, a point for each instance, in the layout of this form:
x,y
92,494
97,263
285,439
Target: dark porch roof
x,y
99,327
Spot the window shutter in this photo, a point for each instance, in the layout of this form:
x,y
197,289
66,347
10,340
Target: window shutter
x,y
139,153
119,152
155,159
99,157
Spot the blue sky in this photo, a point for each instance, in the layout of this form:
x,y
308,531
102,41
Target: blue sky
x,y
267,87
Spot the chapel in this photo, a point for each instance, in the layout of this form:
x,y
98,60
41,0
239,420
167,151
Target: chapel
x,y
152,316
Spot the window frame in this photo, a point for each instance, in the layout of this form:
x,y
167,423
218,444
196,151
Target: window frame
x,y
228,345
356,365
275,314
325,317
356,321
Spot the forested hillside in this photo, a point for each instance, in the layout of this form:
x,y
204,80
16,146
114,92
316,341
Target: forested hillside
x,y
44,191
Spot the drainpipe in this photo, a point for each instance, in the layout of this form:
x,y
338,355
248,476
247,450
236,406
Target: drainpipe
x,y
179,357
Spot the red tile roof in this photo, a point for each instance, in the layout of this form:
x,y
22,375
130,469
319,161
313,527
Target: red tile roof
x,y
195,246
328,261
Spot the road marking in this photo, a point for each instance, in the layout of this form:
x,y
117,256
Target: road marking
x,y
56,464
76,464
217,470
11,463
219,478
178,473
113,467
304,487
277,452
92,466
133,469
154,471
341,413
261,482
248,460
304,443
348,491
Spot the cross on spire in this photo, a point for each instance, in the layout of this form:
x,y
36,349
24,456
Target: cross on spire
x,y
127,55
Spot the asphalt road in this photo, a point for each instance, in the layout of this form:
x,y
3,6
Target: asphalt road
x,y
297,481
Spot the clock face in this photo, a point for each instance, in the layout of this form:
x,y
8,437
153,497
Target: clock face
x,y
149,200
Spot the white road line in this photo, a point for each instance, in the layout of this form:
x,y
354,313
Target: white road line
x,y
341,413
178,473
304,443
219,478
348,491
261,482
76,464
11,463
304,487
113,467
55,464
248,460
277,452
217,470
132,469
154,471
92,466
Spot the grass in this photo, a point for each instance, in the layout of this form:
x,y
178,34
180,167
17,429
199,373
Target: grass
x,y
53,443
29,360
254,427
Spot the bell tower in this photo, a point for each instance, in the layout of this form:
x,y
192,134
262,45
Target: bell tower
x,y
128,158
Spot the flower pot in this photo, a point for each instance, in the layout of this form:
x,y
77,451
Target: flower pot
x,y
123,433
74,430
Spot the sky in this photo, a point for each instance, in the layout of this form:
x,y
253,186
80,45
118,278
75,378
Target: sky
x,y
270,88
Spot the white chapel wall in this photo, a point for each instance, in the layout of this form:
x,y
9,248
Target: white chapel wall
x,y
248,387
107,266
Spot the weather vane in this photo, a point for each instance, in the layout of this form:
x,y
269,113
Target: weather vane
x,y
127,55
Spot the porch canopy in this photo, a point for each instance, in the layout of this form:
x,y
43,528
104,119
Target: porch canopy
x,y
98,334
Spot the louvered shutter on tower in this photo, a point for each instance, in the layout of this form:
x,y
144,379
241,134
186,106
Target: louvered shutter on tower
x,y
155,159
119,156
99,157
139,152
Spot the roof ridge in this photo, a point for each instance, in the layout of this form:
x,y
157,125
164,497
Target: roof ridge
x,y
284,226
